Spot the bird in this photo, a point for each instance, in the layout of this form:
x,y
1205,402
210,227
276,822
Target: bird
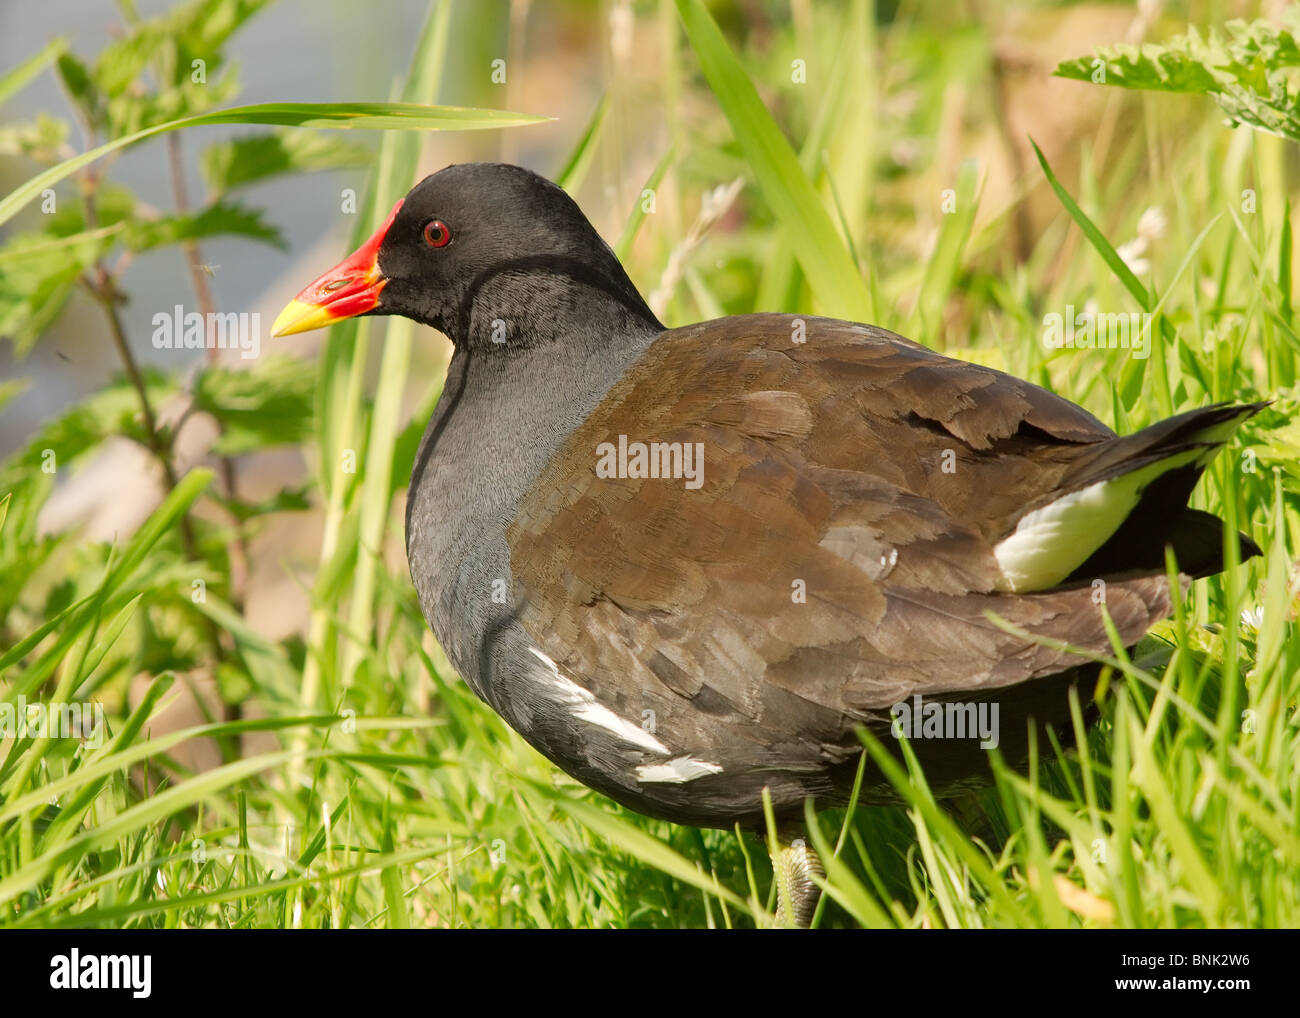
x,y
691,565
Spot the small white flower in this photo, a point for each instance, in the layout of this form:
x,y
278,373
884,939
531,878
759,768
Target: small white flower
x,y
1152,223
907,151
1132,253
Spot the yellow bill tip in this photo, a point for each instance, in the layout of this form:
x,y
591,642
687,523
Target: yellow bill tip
x,y
300,317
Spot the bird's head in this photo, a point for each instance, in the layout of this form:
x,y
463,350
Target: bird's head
x,y
493,255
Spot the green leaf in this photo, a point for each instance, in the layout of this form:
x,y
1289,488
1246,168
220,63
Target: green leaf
x,y
840,882
68,626
167,67
37,275
390,876
282,500
177,38
781,284
1146,775
220,218
271,890
164,804
136,110
808,227
113,410
77,82
356,116
1246,71
176,503
202,28
121,63
228,165
270,404
39,270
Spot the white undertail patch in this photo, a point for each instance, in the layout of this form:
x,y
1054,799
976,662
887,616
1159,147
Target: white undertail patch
x,y
1050,543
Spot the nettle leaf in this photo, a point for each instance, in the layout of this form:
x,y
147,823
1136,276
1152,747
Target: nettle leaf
x,y
286,500
114,205
180,52
29,304
77,82
121,63
173,41
38,272
113,410
268,405
220,218
202,28
132,112
254,158
1248,70
39,139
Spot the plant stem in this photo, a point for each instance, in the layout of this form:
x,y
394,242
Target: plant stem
x,y
103,289
207,307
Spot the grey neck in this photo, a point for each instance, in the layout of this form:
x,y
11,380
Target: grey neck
x,y
503,414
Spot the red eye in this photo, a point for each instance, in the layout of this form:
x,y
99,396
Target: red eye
x,y
436,233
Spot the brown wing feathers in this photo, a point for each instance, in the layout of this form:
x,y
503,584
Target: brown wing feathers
x,y
840,548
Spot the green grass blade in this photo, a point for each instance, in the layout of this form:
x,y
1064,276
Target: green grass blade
x,y
575,168
826,262
12,81
401,155
636,842
1095,237
840,883
1121,271
154,808
633,227
114,915
367,116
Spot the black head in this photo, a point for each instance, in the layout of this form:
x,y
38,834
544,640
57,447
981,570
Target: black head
x,y
493,255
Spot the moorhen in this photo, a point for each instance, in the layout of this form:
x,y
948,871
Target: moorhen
x,y
688,564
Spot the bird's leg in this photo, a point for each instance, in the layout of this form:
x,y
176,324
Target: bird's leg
x,y
796,896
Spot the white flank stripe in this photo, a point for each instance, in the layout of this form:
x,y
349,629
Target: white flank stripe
x,y
585,708
676,771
